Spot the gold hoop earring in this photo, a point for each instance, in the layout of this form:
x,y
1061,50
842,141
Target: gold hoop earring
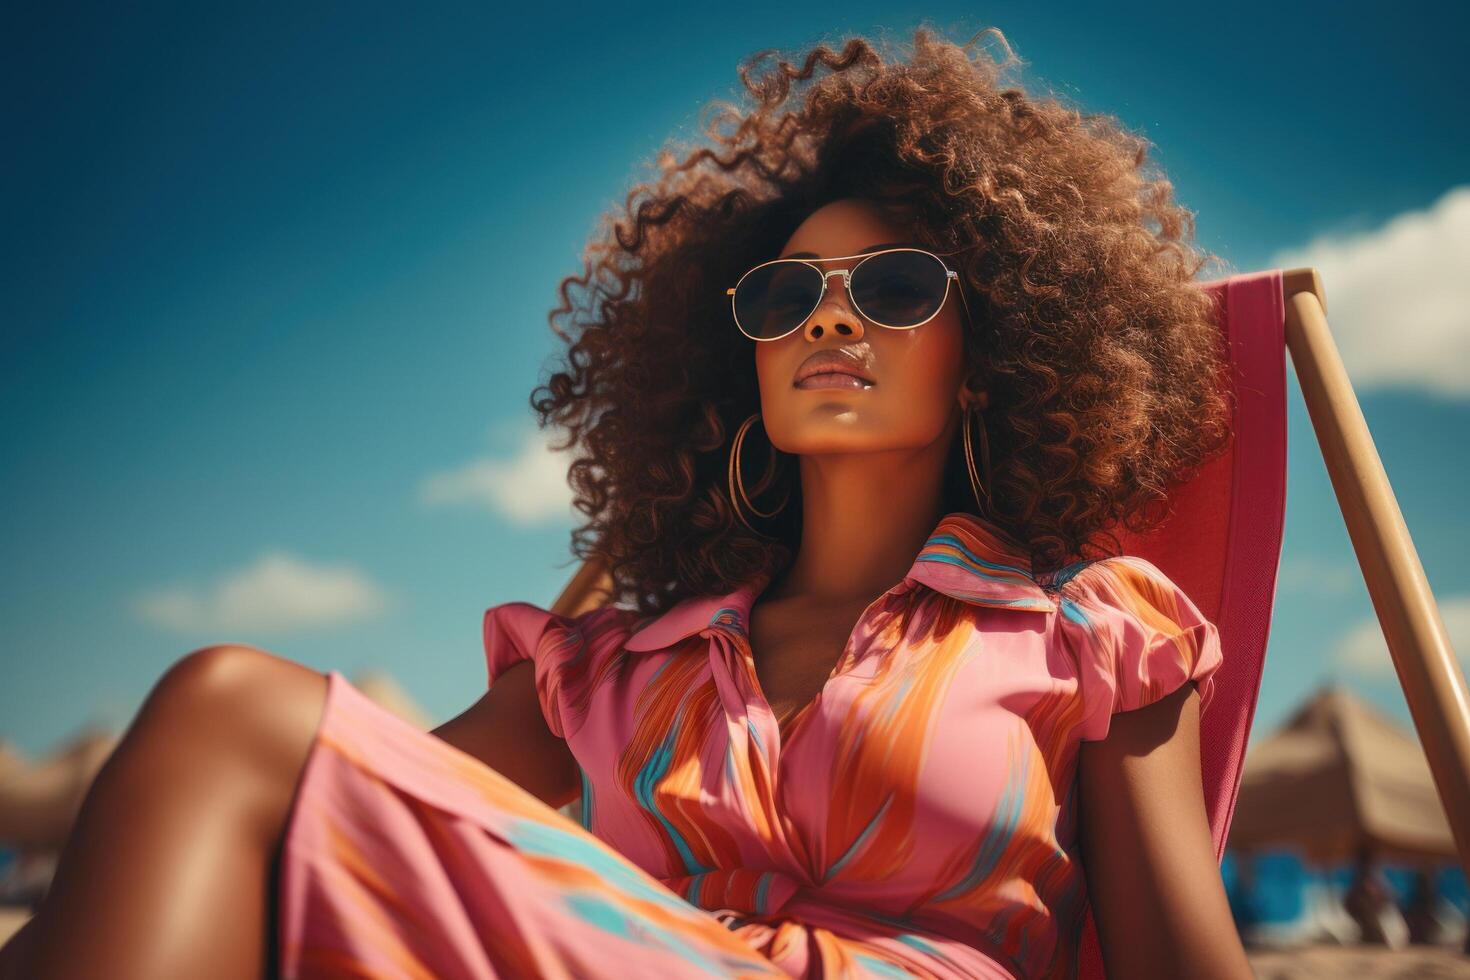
x,y
737,478
976,486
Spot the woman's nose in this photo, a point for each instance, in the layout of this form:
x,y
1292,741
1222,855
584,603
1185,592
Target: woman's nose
x,y
835,313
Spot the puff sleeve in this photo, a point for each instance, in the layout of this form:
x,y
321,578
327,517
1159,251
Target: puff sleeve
x,y
516,631
1135,637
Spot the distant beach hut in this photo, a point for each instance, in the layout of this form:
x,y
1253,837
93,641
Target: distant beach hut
x,y
1340,783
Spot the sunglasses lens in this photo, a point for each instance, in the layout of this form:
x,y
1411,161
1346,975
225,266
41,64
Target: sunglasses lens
x,y
900,289
774,299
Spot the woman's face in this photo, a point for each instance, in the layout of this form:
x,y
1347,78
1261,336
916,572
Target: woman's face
x,y
915,394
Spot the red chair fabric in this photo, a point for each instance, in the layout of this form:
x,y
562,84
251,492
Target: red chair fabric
x,y
1222,544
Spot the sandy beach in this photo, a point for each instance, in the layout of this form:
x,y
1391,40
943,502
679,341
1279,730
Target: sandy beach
x,y
1333,962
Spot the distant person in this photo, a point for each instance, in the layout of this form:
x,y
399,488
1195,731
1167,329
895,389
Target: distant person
x,y
1370,902
1245,905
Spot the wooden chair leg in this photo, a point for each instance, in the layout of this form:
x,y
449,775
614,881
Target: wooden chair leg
x,y
1433,683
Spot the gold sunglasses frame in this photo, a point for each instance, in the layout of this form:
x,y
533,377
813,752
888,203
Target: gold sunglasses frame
x,y
950,276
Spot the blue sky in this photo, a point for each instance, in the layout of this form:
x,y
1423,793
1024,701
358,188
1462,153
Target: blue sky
x,y
275,283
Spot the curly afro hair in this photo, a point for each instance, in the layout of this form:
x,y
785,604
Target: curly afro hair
x,y
1099,351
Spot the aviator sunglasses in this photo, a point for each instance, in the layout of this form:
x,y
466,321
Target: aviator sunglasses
x,y
898,288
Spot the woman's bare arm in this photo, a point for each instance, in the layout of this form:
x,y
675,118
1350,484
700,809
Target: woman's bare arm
x,y
1154,883
506,730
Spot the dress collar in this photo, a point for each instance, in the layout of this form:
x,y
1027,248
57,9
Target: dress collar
x,y
965,556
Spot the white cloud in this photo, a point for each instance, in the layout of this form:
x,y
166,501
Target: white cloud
x,y
1363,650
1398,297
276,592
528,487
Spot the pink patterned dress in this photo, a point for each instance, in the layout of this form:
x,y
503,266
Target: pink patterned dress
x,y
918,818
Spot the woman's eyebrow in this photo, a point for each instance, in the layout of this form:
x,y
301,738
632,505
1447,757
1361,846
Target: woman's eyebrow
x,y
870,248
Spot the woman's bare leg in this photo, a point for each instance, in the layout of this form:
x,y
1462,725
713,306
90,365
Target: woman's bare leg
x,y
171,866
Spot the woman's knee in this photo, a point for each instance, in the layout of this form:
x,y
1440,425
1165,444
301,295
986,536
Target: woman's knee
x,y
260,709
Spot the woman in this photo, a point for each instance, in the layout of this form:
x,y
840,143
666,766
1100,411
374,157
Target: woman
x,y
862,704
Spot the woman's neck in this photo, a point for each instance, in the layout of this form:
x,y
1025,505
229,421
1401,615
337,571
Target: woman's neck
x,y
865,516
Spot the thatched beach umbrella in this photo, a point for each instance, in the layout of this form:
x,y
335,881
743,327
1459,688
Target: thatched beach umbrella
x,y
1338,779
39,800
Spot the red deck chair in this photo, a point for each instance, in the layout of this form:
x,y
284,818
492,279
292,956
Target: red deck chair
x,y
1223,546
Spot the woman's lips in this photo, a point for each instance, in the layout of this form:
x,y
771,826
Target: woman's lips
x,y
832,379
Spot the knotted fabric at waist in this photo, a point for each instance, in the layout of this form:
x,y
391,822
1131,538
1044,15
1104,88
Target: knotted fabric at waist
x,y
746,891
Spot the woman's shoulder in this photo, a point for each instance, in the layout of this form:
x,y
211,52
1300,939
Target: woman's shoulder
x,y
525,626
564,649
1124,587
1076,577
1133,634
